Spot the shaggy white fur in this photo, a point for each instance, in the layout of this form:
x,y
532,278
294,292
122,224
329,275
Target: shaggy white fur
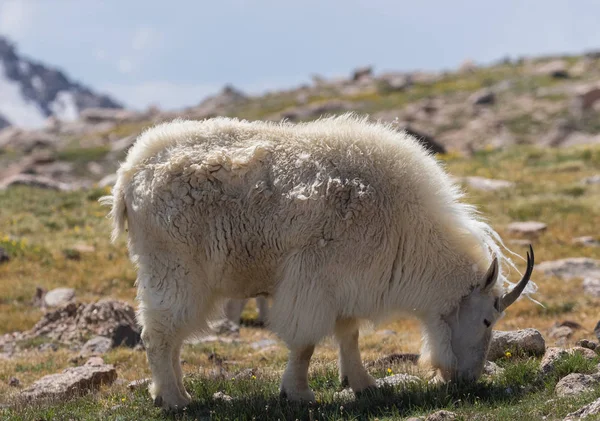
x,y
337,220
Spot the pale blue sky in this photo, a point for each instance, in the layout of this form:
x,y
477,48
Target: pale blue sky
x,y
174,53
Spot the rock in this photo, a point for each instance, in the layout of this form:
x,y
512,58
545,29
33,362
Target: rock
x,y
591,286
97,345
72,382
575,384
556,69
441,416
570,268
527,341
397,380
492,369
586,100
125,334
394,82
59,297
263,344
112,115
138,384
220,396
527,228
594,179
14,382
589,409
586,343
560,332
362,73
4,257
314,110
553,354
487,184
483,97
34,181
597,330
427,141
587,241
73,322
27,141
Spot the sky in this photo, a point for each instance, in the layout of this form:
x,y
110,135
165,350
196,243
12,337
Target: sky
x,y
175,53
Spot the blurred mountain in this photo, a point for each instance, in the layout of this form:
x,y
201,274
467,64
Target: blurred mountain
x,y
30,92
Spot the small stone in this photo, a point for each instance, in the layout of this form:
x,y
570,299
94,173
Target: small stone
x,y
487,184
527,228
595,179
14,382
587,241
263,344
345,395
138,384
220,396
492,369
574,384
528,341
571,268
483,97
397,380
590,409
591,286
97,345
560,332
441,416
585,343
59,296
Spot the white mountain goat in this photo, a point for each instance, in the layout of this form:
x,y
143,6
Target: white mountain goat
x,y
338,221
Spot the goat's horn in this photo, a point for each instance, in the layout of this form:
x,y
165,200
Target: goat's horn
x,y
511,297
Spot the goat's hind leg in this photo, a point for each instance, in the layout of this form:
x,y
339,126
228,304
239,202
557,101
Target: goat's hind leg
x,y
352,371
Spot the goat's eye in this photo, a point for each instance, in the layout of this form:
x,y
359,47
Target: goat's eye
x,y
487,323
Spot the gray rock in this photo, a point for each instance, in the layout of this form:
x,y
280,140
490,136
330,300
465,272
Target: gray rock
x,y
570,268
587,241
589,409
560,332
397,380
97,345
441,416
594,179
553,354
34,181
591,286
586,343
492,369
220,396
71,382
527,228
138,384
574,384
483,97
487,184
59,296
528,341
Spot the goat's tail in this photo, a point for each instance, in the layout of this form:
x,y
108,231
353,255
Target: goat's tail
x,y
118,212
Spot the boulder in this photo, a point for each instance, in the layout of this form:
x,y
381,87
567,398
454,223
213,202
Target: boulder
x,y
527,228
584,412
527,341
570,268
72,382
575,384
59,297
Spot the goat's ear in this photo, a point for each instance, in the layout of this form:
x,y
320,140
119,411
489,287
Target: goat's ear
x,y
490,277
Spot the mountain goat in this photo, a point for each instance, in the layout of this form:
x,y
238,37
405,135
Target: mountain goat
x,y
338,221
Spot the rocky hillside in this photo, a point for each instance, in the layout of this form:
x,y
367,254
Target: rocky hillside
x,y
30,92
548,101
